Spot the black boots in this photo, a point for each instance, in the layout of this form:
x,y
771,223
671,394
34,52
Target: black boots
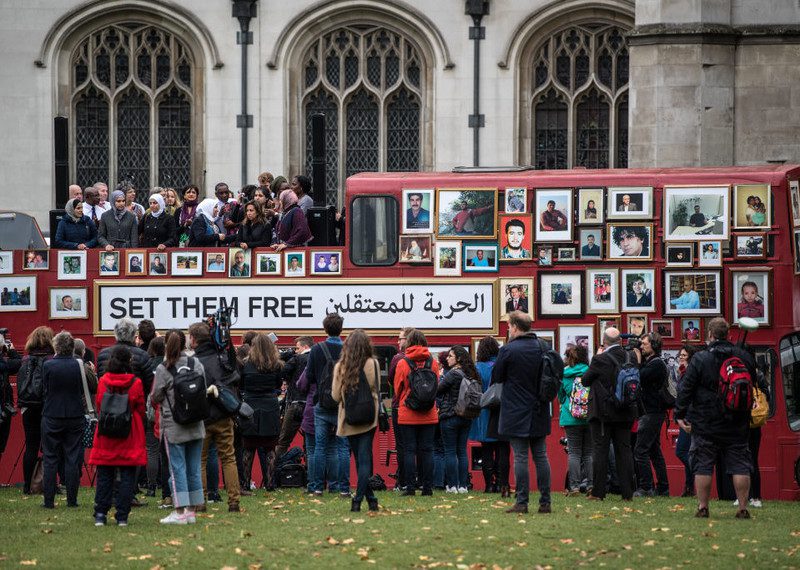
x,y
373,504
355,505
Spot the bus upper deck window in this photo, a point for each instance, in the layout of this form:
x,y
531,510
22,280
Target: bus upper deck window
x,y
373,230
790,370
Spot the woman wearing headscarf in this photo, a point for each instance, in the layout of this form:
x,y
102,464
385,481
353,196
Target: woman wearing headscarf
x,y
118,227
75,231
292,230
204,233
184,215
157,228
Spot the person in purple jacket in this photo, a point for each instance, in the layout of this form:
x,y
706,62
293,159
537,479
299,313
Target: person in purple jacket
x,y
292,230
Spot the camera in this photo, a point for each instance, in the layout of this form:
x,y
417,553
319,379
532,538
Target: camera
x,y
6,335
633,341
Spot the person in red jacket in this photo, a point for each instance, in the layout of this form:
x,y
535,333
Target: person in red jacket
x,y
111,453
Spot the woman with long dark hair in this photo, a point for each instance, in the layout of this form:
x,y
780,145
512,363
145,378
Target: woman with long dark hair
x,y
255,230
684,441
184,214
579,437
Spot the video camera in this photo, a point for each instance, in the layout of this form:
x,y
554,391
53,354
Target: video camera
x,y
634,341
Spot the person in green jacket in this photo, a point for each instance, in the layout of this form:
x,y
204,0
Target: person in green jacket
x,y
573,420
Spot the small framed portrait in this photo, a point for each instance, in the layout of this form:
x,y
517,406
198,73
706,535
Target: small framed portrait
x,y
693,213
326,263
794,201
630,203
71,265
135,263
516,237
447,258
576,335
476,341
591,244
560,294
796,242
17,294
751,295
546,336
692,293
36,259
664,327
602,290
109,263
295,262
239,261
752,206
480,257
516,201
679,254
709,253
157,263
268,263
466,213
636,324
516,294
566,254
6,262
638,294
68,303
545,255
416,248
216,261
417,211
553,214
606,321
590,206
750,245
690,330
186,263
630,242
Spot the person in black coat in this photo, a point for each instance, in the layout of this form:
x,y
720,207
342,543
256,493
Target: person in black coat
x,y
10,361
157,228
255,230
203,231
295,400
524,419
125,333
75,230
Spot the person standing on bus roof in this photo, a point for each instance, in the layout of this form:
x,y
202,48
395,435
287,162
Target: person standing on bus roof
x,y
301,186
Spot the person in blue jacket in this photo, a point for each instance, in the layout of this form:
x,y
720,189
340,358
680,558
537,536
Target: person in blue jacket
x,y
75,231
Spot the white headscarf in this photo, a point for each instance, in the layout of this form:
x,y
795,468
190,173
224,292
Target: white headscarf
x,y
157,198
206,208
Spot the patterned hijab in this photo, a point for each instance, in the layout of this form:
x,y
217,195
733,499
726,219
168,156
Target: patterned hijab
x,y
119,213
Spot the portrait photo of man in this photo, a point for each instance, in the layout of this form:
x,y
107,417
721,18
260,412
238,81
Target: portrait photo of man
x,y
552,220
626,204
67,303
515,240
638,294
518,300
690,331
637,325
417,217
630,242
589,246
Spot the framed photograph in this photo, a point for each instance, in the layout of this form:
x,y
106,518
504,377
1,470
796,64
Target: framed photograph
x,y
639,285
468,213
239,262
295,263
186,263
546,336
135,263
752,206
268,263
576,335
71,265
566,254
109,263
630,242
516,294
69,303
751,245
417,208
553,209
6,262
476,340
606,321
157,263
516,237
480,257
590,206
416,248
709,253
17,294
516,201
447,258
545,255
36,259
602,290
326,263
751,295
591,244
679,254
692,293
216,261
630,203
560,294
796,242
636,324
794,201
690,330
437,350
692,213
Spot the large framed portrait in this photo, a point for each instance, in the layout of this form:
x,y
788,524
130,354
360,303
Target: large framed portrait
x,y
186,263
679,254
590,206
268,263
480,257
516,237
690,330
69,303
516,200
109,263
576,335
693,213
591,244
416,248
553,214
750,245
467,213
692,293
417,211
794,201
17,294
36,260
239,262
295,262
135,260
158,263
602,290
326,263
516,294
664,327
6,262
639,286
709,253
560,294
630,203
447,258
752,206
751,295
630,242
216,261
71,265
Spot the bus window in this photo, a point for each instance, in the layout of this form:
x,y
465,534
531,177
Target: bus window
x,y
373,230
766,360
790,368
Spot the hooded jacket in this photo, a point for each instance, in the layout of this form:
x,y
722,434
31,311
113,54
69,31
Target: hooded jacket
x,y
70,233
121,452
405,415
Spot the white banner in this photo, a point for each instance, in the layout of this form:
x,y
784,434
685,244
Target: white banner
x,y
455,305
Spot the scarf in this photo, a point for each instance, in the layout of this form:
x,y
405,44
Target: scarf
x,y
70,209
161,207
188,210
119,213
206,209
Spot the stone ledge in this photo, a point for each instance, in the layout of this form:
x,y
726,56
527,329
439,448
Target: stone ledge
x,y
721,34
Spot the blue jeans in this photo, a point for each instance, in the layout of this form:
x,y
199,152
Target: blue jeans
x,y
212,469
342,482
104,490
310,441
326,456
185,477
361,445
682,452
455,431
539,447
579,449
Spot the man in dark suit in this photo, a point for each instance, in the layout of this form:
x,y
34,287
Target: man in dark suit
x,y
591,249
517,301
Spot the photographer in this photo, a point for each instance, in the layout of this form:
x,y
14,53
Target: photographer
x,y
295,401
10,362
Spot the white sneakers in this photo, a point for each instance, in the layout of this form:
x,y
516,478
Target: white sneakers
x,y
755,503
177,518
463,490
451,490
459,490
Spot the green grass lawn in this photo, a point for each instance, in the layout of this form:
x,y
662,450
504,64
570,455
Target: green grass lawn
x,y
289,530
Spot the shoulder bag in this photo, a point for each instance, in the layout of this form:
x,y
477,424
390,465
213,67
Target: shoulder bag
x,y
90,418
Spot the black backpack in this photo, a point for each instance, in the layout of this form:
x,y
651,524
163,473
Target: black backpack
x,y
359,404
325,383
115,415
422,385
552,374
189,389
29,390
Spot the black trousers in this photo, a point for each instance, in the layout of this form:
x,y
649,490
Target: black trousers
x,y
32,426
648,450
104,492
65,434
602,435
495,463
399,448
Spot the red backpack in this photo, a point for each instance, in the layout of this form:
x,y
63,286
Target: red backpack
x,y
735,385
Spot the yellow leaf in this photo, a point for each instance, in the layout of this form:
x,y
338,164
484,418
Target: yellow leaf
x,y
715,547
424,558
358,521
107,547
566,541
200,548
740,555
254,567
348,541
28,562
332,540
649,543
175,542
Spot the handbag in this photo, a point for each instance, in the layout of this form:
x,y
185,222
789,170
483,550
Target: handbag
x,y
37,486
90,418
492,396
760,411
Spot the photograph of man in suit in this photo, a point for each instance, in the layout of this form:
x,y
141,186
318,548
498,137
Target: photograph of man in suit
x,y
517,302
628,205
417,217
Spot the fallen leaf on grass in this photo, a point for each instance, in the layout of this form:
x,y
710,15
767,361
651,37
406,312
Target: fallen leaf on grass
x,y
200,548
795,533
566,541
358,521
47,531
107,547
715,547
332,541
740,555
348,541
657,529
28,562
649,543
175,542
254,567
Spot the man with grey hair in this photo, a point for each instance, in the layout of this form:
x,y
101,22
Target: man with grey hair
x,y
75,191
102,188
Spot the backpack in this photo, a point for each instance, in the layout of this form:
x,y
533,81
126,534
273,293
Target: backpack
x,y
422,385
115,415
579,400
552,373
735,385
470,392
29,390
668,392
189,390
628,385
359,403
325,384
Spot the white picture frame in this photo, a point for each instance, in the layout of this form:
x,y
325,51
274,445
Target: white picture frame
x,y
751,295
6,262
421,223
293,269
560,294
515,200
591,207
545,217
108,263
216,261
447,258
702,298
160,268
681,203
268,263
709,257
18,294
69,303
629,203
576,334
325,263
186,263
72,265
745,213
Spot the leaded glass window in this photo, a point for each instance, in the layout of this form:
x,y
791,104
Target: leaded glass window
x,y
369,83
